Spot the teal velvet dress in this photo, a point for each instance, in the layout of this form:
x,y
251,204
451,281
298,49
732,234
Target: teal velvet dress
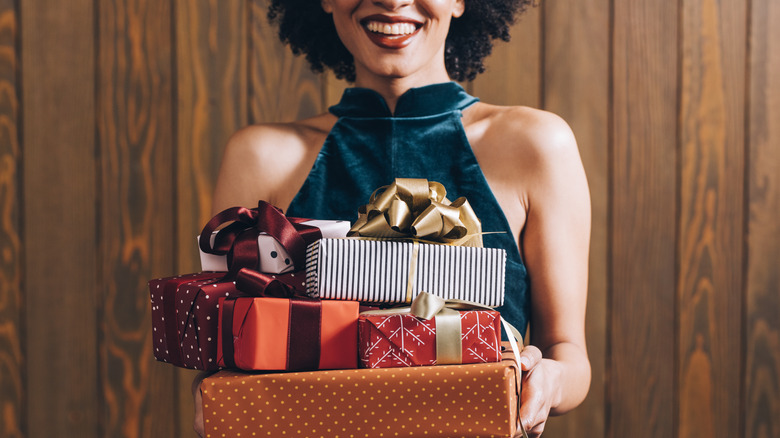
x,y
369,147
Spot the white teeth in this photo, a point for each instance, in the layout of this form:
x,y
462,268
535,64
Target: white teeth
x,y
391,29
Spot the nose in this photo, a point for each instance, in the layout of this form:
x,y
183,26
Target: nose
x,y
393,4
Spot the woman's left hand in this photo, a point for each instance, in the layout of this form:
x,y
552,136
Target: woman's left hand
x,y
541,389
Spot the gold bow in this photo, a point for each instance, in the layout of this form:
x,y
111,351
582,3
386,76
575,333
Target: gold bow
x,y
418,209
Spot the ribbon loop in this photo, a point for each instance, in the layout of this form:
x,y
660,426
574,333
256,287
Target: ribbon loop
x,y
418,208
254,283
238,239
427,305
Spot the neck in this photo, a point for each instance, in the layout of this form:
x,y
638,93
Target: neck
x,y
391,89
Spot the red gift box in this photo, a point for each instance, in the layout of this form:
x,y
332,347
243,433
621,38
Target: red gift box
x,y
185,316
403,340
287,334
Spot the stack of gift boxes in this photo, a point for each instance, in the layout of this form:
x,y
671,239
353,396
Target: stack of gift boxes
x,y
318,328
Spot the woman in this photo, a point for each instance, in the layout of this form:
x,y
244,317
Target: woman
x,y
405,118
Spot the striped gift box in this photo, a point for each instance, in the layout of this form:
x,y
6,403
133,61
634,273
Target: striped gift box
x,y
378,271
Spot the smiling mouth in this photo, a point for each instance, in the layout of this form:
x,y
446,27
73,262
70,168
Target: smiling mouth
x,y
390,29
390,33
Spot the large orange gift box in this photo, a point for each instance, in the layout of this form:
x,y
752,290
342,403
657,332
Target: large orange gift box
x,y
477,400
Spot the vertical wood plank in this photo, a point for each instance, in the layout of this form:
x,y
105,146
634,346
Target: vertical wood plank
x,y
212,101
135,128
281,85
710,237
642,219
333,89
59,210
211,88
513,70
576,87
762,365
12,360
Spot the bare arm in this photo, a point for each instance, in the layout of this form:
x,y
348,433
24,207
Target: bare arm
x,y
538,179
555,244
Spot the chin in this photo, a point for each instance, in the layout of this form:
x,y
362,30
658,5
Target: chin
x,y
389,70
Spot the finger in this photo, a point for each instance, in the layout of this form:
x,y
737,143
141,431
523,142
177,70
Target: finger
x,y
537,430
529,357
531,406
533,427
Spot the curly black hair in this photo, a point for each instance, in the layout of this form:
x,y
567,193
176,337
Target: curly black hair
x,y
309,30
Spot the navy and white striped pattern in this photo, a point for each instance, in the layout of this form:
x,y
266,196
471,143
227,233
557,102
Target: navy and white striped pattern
x,y
378,271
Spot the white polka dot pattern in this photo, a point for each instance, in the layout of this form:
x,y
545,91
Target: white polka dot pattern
x,y
477,400
196,318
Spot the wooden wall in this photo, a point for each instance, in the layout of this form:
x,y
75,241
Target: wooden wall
x,y
113,114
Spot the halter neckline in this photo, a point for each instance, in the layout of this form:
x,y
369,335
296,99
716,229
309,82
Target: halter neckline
x,y
424,101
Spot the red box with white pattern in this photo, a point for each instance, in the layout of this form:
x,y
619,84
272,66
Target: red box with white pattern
x,y
403,340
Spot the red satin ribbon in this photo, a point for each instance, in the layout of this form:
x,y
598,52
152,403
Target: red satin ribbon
x,y
258,284
228,310
238,240
303,339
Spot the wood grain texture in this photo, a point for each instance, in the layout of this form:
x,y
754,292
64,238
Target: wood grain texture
x,y
762,364
136,211
282,87
211,81
211,87
12,360
514,69
576,87
109,148
333,89
59,197
642,220
710,236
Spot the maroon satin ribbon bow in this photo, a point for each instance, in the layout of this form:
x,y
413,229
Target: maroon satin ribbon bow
x,y
238,240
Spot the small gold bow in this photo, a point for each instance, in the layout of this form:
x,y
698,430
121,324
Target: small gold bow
x,y
419,209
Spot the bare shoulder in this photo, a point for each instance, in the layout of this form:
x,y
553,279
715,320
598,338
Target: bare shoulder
x,y
519,131
268,137
524,153
269,161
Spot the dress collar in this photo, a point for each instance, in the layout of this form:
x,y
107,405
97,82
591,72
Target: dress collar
x,y
416,102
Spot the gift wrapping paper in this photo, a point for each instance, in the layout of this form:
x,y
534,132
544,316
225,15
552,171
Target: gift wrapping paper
x,y
263,336
478,400
189,338
403,340
387,271
273,258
